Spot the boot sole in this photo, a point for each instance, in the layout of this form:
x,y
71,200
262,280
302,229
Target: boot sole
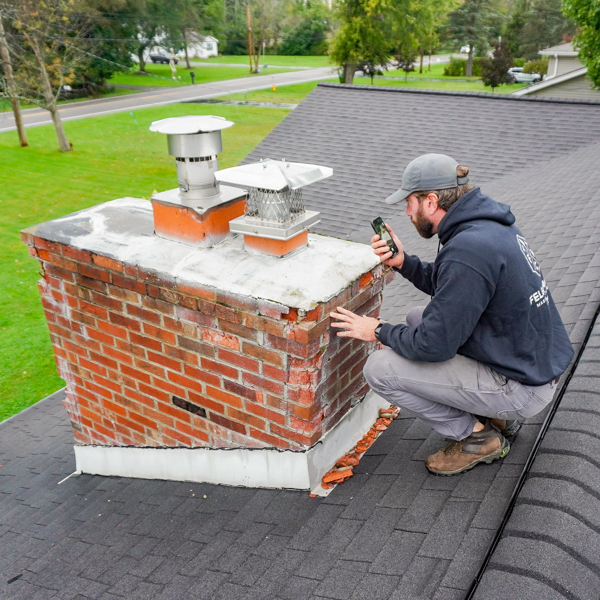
x,y
490,458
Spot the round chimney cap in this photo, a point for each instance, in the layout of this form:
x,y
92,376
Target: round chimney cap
x,y
190,124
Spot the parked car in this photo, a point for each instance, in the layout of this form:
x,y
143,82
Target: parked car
x,y
161,58
465,49
520,77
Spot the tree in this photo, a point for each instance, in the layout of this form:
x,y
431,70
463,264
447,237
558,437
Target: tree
x,y
10,88
536,24
494,71
405,57
47,54
586,15
471,25
307,29
363,36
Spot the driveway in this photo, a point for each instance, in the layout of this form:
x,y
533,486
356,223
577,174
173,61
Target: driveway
x,y
157,97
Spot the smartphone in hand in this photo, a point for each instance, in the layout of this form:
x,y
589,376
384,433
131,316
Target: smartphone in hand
x,y
381,230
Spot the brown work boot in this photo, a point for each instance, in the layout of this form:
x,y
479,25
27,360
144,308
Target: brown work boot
x,y
506,428
458,456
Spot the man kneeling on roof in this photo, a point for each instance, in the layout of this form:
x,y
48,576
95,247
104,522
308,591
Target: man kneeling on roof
x,y
489,348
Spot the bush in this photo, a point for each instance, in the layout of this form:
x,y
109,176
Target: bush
x,y
456,67
536,66
306,39
519,62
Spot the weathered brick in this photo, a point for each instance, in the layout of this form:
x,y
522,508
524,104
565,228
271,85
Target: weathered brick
x,y
111,329
206,402
158,332
305,440
62,262
218,394
90,283
264,324
77,254
107,263
145,341
196,346
262,383
220,368
239,360
237,329
268,414
218,310
158,305
273,357
221,339
227,423
198,291
94,273
194,316
129,284
272,309
124,321
294,348
143,314
236,301
240,390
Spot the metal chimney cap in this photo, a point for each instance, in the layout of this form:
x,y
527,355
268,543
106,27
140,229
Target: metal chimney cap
x,y
190,124
274,175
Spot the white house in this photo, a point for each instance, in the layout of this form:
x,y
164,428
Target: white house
x,y
201,46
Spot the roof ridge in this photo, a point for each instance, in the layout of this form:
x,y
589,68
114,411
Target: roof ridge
x,y
488,95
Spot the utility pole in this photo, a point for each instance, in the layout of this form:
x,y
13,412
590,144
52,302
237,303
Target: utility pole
x,y
250,52
10,84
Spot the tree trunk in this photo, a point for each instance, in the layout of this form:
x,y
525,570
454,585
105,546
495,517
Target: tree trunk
x,y
10,84
50,101
421,54
187,58
469,72
349,70
141,59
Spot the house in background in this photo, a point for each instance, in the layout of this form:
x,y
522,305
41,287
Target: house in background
x,y
200,46
567,77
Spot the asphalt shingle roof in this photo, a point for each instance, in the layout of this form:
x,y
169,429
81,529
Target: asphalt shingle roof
x,y
392,531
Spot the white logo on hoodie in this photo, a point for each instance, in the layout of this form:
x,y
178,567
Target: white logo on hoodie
x,y
529,255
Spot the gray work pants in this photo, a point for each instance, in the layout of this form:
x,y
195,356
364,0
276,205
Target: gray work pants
x,y
447,394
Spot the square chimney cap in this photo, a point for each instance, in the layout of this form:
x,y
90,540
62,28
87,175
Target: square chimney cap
x,y
190,124
273,175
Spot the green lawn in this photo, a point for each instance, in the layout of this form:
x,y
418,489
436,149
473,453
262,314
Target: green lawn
x,y
271,59
113,156
161,75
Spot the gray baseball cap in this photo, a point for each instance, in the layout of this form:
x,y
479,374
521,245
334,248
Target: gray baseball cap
x,y
427,172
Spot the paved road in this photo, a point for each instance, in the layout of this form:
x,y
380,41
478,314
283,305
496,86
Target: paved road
x,y
158,97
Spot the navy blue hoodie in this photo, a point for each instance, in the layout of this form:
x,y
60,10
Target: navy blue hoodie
x,y
490,300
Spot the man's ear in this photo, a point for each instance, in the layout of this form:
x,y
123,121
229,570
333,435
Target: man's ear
x,y
432,202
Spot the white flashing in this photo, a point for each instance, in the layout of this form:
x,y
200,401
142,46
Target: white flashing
x,y
550,82
124,230
269,468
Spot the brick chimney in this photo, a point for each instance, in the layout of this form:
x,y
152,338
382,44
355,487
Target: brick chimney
x,y
199,363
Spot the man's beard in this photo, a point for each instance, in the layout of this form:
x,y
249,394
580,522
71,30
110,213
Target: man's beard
x,y
422,225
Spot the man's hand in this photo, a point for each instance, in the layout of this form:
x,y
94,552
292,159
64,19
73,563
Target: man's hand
x,y
382,250
361,328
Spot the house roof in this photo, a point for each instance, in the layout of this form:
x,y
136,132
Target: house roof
x,y
560,50
550,81
392,531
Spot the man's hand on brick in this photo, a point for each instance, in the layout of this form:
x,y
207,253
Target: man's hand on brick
x,y
382,250
355,326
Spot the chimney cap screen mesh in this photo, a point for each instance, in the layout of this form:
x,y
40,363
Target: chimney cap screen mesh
x,y
278,207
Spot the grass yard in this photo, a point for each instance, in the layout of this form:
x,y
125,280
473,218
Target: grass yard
x,y
271,59
113,156
448,85
161,75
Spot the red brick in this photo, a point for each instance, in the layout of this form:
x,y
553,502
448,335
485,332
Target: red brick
x,y
307,332
94,273
106,301
123,321
265,384
163,361
201,375
92,309
291,316
168,295
112,330
97,389
181,355
200,292
150,368
104,360
247,418
137,398
142,313
221,339
130,424
152,392
145,341
168,387
239,390
236,329
223,396
47,245
271,309
161,334
63,263
160,279
114,408
107,383
194,316
305,440
196,346
271,356
239,360
77,254
304,412
184,381
274,373
158,305
206,403
122,357
227,423
135,373
263,324
87,282
269,439
43,254
194,432
266,413
218,367
107,263
100,337
129,284
91,366
301,394
295,348
185,440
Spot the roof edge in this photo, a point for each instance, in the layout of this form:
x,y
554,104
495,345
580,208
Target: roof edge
x,y
488,95
550,81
